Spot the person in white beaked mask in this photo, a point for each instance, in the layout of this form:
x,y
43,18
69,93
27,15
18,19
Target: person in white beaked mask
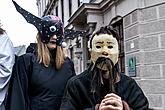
x,y
7,59
39,77
102,86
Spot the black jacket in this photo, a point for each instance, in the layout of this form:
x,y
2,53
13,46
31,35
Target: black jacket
x,y
36,87
78,94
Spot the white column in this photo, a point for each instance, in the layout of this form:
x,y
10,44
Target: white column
x,y
66,12
74,5
59,9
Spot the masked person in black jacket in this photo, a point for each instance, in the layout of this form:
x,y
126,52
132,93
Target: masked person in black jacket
x,y
101,86
39,78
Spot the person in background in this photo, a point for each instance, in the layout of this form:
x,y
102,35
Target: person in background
x,y
7,59
39,78
102,86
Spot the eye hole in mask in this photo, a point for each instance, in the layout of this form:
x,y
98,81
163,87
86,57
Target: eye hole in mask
x,y
53,29
98,47
110,47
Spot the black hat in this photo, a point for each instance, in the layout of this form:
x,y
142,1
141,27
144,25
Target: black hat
x,y
47,26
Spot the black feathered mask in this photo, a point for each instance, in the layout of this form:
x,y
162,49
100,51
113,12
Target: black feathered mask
x,y
47,26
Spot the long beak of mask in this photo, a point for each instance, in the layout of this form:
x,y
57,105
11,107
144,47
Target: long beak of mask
x,y
45,28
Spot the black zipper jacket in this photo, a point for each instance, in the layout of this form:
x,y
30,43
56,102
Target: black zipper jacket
x,y
79,94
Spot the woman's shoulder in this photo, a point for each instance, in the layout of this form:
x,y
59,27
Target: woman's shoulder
x,y
27,57
127,81
125,77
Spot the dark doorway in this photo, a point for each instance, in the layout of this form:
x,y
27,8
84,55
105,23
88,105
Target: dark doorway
x,y
117,23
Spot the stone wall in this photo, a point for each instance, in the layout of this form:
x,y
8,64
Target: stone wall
x,y
144,33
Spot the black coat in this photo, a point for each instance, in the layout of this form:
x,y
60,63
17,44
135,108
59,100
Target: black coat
x,y
78,94
36,87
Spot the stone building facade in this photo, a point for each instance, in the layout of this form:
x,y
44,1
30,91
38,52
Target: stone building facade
x,y
141,25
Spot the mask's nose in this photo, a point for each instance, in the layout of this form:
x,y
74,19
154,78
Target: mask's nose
x,y
104,53
54,37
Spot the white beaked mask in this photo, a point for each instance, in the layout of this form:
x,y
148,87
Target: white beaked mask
x,y
104,45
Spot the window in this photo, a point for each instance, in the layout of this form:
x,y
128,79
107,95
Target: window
x,y
70,7
78,42
71,52
56,10
62,9
80,2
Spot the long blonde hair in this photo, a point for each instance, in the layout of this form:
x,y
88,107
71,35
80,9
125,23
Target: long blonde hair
x,y
43,54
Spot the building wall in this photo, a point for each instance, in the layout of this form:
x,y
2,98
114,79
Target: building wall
x,y
144,34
